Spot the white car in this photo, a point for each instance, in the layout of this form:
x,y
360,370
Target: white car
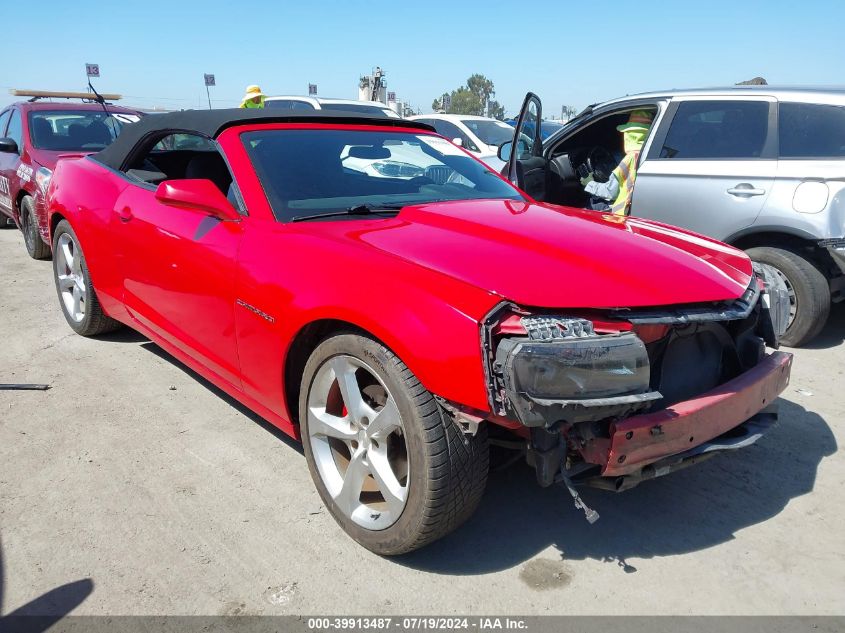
x,y
299,104
477,134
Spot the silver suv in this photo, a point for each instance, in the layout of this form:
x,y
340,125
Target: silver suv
x,y
760,168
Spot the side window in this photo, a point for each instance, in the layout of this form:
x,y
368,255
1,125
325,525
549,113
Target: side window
x,y
301,106
528,132
184,141
808,130
288,104
4,119
717,129
278,104
181,156
452,131
15,130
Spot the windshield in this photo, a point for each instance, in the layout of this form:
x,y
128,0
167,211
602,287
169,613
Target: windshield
x,y
305,172
489,131
76,130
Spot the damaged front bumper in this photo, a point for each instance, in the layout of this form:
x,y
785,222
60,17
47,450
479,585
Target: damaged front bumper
x,y
734,439
611,402
643,440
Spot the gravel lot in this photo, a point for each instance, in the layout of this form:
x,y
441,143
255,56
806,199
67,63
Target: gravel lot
x,y
133,486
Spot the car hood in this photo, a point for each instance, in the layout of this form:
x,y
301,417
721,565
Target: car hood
x,y
548,256
48,158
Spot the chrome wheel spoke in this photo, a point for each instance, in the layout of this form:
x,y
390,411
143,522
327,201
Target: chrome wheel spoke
x,y
77,300
348,498
322,423
392,491
385,421
67,255
66,282
350,391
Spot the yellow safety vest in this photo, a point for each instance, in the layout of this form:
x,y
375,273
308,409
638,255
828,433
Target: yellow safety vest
x,y
625,174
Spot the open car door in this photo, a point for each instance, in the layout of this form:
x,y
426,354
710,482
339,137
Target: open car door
x,y
526,165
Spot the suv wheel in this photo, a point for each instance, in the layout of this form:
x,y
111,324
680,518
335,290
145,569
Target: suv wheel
x,y
809,292
35,246
394,473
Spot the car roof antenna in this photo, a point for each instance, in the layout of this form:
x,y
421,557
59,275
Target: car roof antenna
x,y
99,99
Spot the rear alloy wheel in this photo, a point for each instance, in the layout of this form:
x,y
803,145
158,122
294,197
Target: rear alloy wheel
x,y
35,246
393,471
73,284
809,292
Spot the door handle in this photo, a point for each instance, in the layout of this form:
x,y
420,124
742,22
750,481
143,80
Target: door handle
x,y
125,214
745,190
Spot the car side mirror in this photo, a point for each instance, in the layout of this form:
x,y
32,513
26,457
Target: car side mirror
x,y
504,151
8,145
197,194
458,141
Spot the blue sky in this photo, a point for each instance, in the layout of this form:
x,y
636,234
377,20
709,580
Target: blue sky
x,y
571,53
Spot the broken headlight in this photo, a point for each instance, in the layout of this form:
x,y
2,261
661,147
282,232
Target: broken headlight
x,y
552,376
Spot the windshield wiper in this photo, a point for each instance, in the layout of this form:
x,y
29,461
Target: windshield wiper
x,y
358,209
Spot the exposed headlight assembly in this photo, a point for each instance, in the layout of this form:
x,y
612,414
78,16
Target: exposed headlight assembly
x,y
396,169
42,179
570,373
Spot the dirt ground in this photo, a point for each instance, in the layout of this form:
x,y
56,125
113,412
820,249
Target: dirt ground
x,y
133,486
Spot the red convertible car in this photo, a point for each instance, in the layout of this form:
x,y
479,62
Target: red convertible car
x,y
372,289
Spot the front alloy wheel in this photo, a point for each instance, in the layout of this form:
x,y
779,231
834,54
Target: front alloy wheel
x,y
35,246
357,440
393,470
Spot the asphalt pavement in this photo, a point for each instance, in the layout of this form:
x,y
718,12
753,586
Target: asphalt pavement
x,y
133,486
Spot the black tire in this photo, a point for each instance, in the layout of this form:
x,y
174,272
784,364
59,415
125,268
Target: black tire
x,y
448,469
35,246
94,320
811,291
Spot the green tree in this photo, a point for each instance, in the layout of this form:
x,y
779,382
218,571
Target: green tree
x,y
475,98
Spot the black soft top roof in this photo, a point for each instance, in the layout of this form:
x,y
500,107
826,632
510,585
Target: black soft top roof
x,y
211,123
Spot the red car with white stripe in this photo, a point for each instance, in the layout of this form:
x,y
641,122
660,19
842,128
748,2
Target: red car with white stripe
x,y
33,134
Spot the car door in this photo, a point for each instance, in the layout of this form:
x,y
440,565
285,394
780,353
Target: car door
x,y
710,166
526,163
7,161
811,163
178,267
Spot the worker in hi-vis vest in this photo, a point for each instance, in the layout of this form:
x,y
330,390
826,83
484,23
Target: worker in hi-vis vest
x,y
253,98
615,194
